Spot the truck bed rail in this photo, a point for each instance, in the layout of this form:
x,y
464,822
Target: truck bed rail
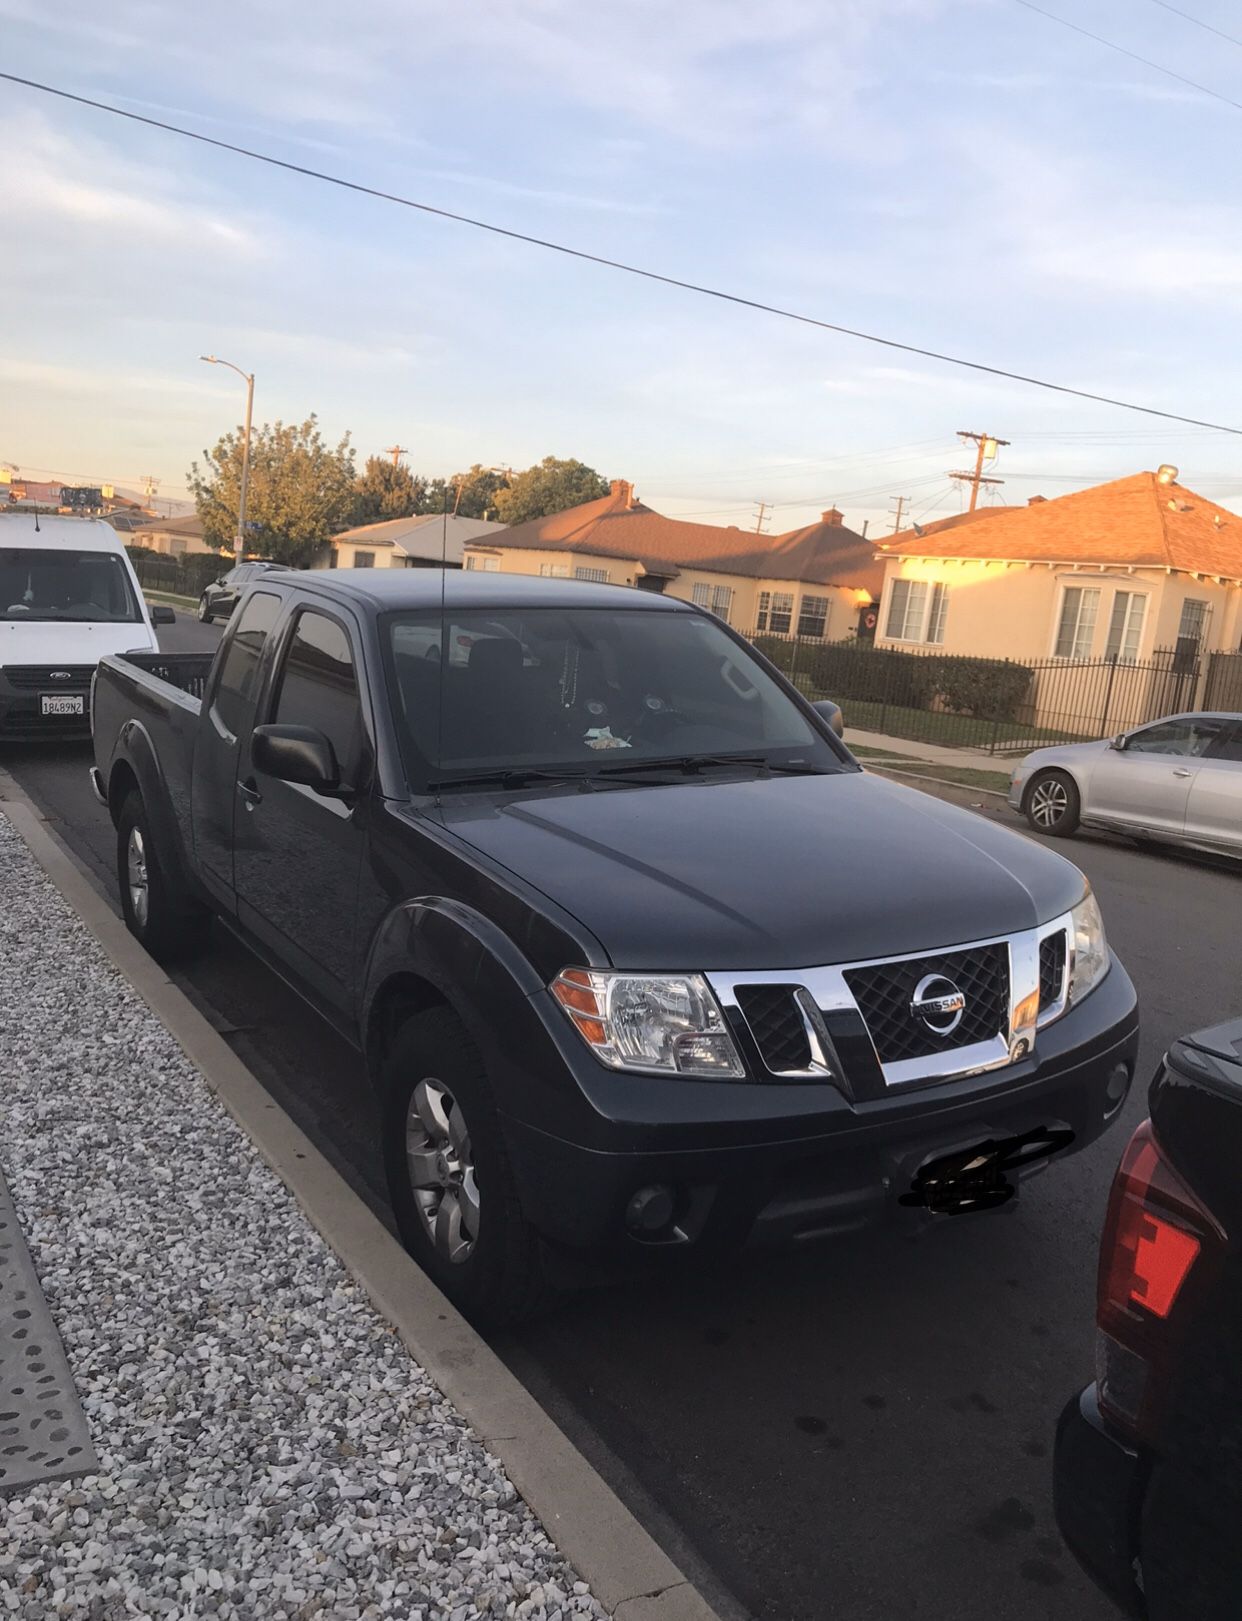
x,y
187,671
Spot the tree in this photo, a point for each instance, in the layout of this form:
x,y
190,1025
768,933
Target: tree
x,y
549,486
385,490
301,490
480,490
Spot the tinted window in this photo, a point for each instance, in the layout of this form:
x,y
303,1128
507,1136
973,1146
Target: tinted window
x,y
319,687
38,583
1188,737
1229,745
239,676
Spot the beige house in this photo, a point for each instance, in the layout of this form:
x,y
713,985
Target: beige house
x,y
813,581
1122,570
418,542
176,537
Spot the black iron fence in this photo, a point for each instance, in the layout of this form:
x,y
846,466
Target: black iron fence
x,y
1001,705
177,576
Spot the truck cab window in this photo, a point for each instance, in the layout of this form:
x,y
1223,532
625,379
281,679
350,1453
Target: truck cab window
x,y
319,687
238,684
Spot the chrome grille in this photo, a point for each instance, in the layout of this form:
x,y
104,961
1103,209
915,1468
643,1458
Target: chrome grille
x,y
884,992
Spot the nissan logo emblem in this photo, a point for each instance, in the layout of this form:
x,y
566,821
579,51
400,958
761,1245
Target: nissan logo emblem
x,y
938,1004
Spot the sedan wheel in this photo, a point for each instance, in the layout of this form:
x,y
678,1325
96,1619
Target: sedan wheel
x,y
1052,804
441,1170
204,610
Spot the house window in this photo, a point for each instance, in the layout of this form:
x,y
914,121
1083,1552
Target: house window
x,y
554,571
598,575
490,565
1193,622
813,616
717,599
1125,628
469,562
775,611
364,559
1076,631
917,611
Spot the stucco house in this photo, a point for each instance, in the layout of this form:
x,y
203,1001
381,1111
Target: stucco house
x,y
812,581
418,542
175,537
1122,570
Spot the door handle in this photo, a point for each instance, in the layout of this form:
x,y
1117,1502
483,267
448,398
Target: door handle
x,y
250,794
1181,771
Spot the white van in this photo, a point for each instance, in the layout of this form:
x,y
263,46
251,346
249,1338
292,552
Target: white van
x,y
68,596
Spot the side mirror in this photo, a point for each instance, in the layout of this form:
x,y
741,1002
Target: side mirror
x,y
830,712
162,614
1120,742
297,754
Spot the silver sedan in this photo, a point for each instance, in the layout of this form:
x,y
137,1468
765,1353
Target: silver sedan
x,y
1176,781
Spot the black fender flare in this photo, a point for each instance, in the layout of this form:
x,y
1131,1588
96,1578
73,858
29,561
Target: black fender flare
x,y
136,757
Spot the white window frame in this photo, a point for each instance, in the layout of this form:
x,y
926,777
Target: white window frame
x,y
1204,618
1081,647
924,609
597,576
1126,633
554,571
364,551
813,596
717,599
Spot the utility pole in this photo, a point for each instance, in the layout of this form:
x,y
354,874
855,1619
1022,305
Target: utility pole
x,y
150,484
396,452
901,507
763,516
988,445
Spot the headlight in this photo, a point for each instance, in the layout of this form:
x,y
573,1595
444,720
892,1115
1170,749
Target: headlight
x,y
1089,947
669,1023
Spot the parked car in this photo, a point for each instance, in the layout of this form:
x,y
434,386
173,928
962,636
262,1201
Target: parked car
x,y
68,595
643,965
1148,1462
221,596
1176,781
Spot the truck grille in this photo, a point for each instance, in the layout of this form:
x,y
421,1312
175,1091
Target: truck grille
x,y
884,992
49,677
776,1024
1051,968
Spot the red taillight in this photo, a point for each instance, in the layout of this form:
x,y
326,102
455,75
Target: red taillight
x,y
1154,1235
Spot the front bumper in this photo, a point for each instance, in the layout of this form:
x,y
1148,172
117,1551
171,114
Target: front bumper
x,y
756,1162
21,716
1097,1493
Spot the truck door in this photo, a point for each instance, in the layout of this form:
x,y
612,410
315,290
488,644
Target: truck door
x,y
228,709
297,854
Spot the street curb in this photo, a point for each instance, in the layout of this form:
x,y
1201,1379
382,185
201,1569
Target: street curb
x,y
171,598
921,776
629,1574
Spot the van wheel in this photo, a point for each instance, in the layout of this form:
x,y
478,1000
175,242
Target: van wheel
x,y
449,1176
204,610
1053,804
165,919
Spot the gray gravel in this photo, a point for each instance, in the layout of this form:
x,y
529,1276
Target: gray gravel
x,y
268,1449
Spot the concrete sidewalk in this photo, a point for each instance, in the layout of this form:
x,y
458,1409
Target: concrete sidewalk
x,y
269,1449
969,759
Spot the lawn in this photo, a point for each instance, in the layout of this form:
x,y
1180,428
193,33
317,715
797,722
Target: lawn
x,y
996,782
949,731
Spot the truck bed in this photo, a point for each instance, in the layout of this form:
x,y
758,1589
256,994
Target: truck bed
x,y
186,671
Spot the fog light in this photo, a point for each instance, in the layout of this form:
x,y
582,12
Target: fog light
x,y
650,1210
1116,1089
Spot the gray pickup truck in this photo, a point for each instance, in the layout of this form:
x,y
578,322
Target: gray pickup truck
x,y
642,963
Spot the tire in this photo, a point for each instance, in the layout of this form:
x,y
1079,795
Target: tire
x,y
1052,804
463,1221
204,610
168,922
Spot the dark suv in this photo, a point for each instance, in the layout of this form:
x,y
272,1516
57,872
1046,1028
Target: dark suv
x,y
221,596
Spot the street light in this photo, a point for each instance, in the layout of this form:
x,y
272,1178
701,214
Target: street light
x,y
247,377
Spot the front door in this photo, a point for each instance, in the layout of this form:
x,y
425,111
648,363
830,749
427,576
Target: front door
x,y
1214,814
1147,784
297,854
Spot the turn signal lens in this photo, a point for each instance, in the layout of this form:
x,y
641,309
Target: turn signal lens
x,y
661,1023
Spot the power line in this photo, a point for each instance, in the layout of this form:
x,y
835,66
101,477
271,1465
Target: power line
x,y
1197,21
620,265
1123,50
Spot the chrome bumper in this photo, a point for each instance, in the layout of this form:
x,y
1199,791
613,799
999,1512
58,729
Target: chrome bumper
x,y
97,786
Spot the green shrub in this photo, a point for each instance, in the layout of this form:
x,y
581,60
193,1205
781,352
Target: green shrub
x,y
990,689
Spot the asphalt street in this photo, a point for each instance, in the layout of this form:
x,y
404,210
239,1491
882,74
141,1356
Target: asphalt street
x,y
862,1431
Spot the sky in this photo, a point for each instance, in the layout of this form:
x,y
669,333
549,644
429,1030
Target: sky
x,y
962,175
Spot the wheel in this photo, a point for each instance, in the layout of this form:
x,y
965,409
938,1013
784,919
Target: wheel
x,y
449,1177
166,921
1053,804
204,610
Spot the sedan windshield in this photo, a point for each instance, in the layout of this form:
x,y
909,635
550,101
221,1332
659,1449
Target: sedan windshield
x,y
587,691
60,584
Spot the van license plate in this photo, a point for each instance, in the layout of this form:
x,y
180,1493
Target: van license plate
x,y
61,704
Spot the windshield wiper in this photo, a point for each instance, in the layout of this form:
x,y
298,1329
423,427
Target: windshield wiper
x,y
509,777
688,763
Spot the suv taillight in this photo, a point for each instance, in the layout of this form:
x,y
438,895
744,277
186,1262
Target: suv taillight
x,y
1157,1235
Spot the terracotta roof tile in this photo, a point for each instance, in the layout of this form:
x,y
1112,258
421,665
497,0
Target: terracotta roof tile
x,y
1130,521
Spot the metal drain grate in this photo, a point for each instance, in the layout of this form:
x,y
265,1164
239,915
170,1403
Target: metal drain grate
x,y
43,1433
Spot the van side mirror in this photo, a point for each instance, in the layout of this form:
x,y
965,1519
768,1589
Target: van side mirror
x,y
827,710
162,614
1120,742
299,754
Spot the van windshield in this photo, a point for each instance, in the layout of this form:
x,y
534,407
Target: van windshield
x,y
55,583
589,690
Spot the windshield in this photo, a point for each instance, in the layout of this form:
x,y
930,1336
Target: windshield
x,y
587,689
55,583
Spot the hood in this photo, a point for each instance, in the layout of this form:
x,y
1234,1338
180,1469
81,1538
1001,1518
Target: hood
x,y
43,641
775,872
